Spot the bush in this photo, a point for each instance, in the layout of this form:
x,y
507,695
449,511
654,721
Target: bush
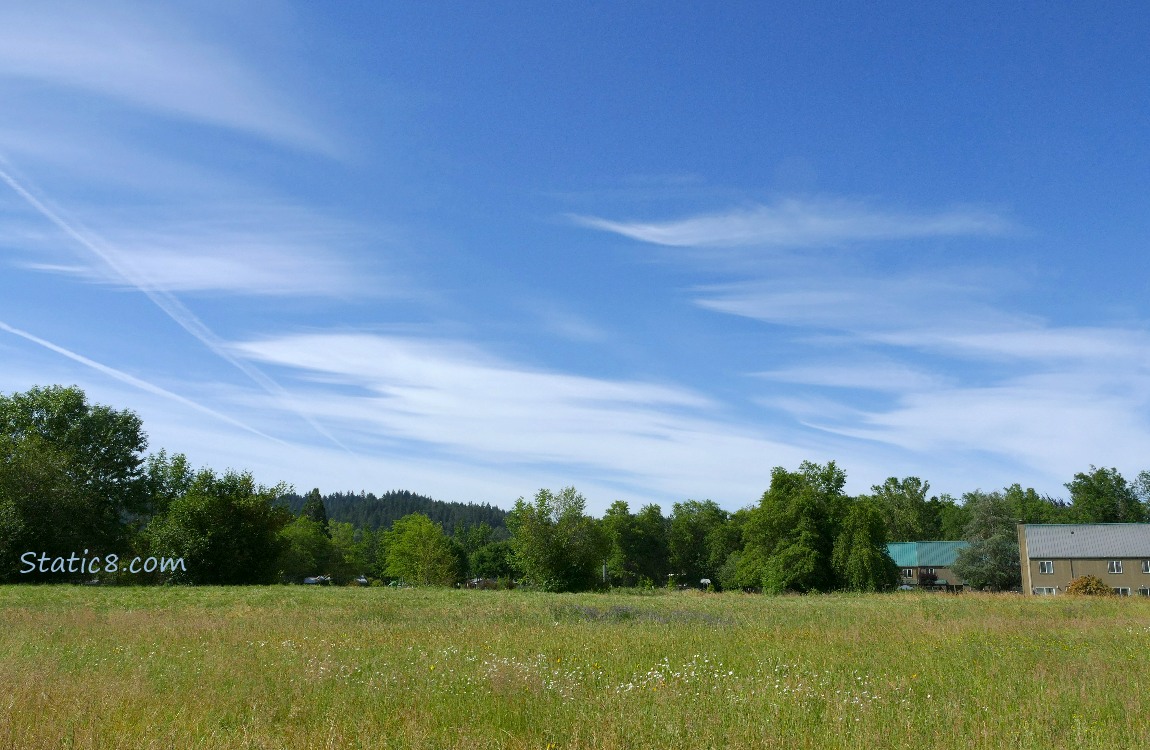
x,y
1089,586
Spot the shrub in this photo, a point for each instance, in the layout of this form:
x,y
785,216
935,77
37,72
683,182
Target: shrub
x,y
1089,586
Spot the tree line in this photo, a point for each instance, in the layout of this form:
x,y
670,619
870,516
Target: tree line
x,y
369,511
75,479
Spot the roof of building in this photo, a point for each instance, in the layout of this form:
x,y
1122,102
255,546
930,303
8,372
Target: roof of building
x,y
924,554
1097,540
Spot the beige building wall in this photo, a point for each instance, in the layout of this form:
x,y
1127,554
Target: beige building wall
x,y
944,574
1065,571
1027,580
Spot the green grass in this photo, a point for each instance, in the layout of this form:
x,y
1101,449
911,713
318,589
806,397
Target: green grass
x,y
296,667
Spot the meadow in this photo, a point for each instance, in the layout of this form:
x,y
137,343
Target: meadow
x,y
303,667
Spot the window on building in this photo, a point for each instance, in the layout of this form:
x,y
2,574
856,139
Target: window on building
x,y
1121,590
1114,566
1143,591
1146,566
908,573
928,571
1045,590
1046,567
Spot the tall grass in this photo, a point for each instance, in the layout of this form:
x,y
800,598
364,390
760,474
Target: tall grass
x,y
296,667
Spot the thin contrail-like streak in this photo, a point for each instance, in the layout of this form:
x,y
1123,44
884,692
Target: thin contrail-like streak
x,y
124,377
167,302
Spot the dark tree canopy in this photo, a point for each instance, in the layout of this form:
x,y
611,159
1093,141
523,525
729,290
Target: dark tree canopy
x,y
1104,496
860,558
70,473
792,533
373,512
313,509
697,548
226,528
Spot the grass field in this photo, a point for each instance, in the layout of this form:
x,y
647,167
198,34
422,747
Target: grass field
x,y
302,667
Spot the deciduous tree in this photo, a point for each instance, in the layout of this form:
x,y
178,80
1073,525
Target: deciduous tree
x,y
419,552
226,528
792,532
695,542
557,546
1104,496
860,558
991,561
70,473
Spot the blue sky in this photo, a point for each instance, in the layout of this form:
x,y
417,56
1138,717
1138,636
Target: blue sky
x,y
649,249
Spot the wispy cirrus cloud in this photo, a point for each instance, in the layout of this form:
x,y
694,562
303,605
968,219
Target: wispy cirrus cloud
x,y
163,299
1044,398
888,376
253,252
249,251
1116,349
457,400
935,358
820,296
801,223
147,57
131,380
1052,423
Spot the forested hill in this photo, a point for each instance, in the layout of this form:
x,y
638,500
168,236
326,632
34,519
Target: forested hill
x,y
367,510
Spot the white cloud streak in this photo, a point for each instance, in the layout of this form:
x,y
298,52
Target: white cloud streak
x,y
860,375
218,255
164,300
457,400
131,380
795,223
147,57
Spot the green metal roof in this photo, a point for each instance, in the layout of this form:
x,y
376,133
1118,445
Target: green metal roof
x,y
924,554
903,554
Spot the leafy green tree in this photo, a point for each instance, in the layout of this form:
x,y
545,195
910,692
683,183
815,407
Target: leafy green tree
x,y
791,535
307,550
952,518
903,504
651,546
695,546
41,509
493,560
314,509
1141,487
860,558
557,546
472,537
1027,506
1104,496
621,532
166,477
991,561
419,552
70,473
226,528
353,551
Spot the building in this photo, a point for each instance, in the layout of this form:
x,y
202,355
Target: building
x,y
927,564
1054,554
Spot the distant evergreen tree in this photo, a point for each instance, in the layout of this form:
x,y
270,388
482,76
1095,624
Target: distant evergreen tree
x,y
367,511
313,509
